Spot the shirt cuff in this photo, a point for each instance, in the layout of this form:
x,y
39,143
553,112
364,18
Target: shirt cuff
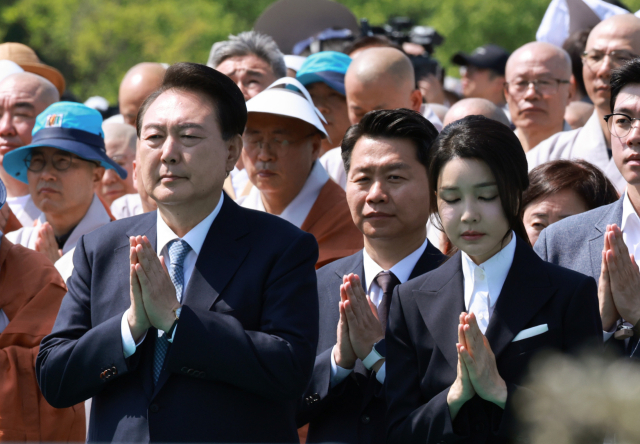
x,y
608,334
338,374
173,335
128,344
380,374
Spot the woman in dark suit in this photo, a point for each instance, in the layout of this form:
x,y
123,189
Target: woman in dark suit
x,y
460,337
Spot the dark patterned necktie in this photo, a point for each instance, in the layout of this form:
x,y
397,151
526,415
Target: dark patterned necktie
x,y
178,250
387,281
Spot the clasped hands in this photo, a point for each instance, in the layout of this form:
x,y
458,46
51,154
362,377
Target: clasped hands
x,y
477,369
46,242
358,328
619,283
153,295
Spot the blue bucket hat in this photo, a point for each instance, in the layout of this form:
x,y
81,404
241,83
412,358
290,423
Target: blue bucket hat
x,y
3,194
67,126
328,67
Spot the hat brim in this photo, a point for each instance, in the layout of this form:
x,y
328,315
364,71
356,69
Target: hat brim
x,y
13,161
48,72
308,79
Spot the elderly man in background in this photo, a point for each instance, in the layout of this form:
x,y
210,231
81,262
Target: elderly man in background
x,y
253,61
538,89
281,146
612,43
31,291
63,166
475,107
120,143
140,81
22,97
483,73
323,76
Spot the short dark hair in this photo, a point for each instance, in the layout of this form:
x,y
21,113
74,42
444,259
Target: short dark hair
x,y
580,176
477,137
627,74
373,41
391,124
225,96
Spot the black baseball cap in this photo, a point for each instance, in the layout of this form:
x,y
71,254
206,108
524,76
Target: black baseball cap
x,y
491,57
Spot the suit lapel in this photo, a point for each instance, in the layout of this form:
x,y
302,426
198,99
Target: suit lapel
x,y
526,290
596,243
440,301
144,226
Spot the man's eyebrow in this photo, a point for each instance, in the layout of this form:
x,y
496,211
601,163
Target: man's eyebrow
x,y
24,105
253,72
184,126
623,110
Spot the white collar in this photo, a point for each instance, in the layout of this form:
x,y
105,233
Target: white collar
x,y
402,270
95,217
195,237
495,269
629,215
298,210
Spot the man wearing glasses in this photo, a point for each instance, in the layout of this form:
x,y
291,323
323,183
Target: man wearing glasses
x,y
538,89
62,167
611,44
605,243
282,142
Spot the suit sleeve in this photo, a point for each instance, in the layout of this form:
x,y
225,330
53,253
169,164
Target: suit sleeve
x,y
410,417
75,359
540,247
275,361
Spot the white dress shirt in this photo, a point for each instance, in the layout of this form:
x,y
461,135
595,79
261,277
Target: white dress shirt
x,y
483,283
402,270
333,164
195,238
298,210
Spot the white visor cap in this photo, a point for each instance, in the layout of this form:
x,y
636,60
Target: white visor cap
x,y
288,103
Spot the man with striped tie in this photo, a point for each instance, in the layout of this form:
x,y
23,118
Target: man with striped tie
x,y
197,322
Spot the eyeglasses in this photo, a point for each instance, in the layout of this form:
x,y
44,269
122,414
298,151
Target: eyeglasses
x,y
253,144
545,87
594,58
61,161
619,124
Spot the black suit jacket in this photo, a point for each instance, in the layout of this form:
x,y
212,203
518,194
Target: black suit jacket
x,y
353,411
422,333
243,352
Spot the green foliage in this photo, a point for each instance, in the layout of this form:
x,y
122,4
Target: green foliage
x,y
94,42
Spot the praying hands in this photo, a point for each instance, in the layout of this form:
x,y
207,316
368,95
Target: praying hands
x,y
477,369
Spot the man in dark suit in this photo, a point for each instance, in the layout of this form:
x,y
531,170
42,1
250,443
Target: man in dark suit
x,y
599,243
388,194
212,340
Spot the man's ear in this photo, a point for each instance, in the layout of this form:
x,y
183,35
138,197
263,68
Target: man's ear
x,y
98,172
416,100
572,88
316,144
234,146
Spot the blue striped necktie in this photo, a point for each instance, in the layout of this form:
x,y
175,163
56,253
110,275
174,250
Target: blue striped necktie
x,y
178,250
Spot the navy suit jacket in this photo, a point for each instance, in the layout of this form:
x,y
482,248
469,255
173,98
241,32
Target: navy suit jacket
x,y
422,335
353,411
243,352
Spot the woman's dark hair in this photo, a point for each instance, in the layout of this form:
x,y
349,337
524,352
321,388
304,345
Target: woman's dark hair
x,y
627,74
583,178
219,89
398,123
477,137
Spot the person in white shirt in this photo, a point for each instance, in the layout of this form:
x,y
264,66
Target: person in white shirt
x,y
611,43
22,97
281,146
460,338
62,166
604,243
538,88
388,195
120,143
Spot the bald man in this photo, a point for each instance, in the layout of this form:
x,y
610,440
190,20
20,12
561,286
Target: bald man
x,y
137,84
22,97
475,107
611,43
379,78
120,142
538,89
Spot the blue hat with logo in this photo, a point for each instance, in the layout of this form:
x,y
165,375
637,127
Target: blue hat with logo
x,y
67,126
328,67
